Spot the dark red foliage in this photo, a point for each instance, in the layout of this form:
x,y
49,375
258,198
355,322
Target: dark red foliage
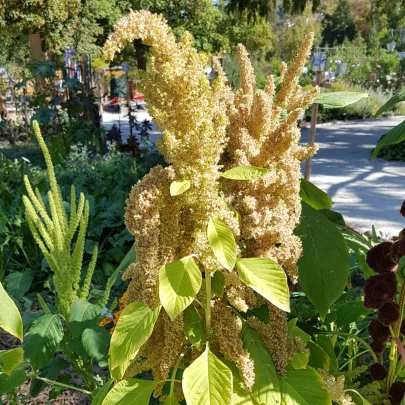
x,y
379,257
388,314
378,372
402,330
380,289
378,332
402,210
397,392
378,347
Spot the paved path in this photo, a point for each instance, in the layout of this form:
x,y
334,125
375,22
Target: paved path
x,y
365,192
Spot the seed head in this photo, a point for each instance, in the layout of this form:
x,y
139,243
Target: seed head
x,y
379,258
388,314
378,372
397,392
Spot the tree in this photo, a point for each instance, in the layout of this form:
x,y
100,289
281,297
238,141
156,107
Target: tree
x,y
339,25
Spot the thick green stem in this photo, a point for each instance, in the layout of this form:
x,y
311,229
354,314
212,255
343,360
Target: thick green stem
x,y
208,306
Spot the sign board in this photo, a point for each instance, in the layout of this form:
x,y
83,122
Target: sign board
x,y
125,67
318,61
3,73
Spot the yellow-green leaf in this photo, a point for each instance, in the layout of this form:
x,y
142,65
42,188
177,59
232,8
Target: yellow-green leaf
x,y
179,187
179,282
299,361
244,173
133,329
131,392
10,359
267,278
339,99
207,381
10,318
222,243
171,399
193,326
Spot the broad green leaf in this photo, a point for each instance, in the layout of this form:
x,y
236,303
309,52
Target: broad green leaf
x,y
10,359
179,187
395,99
267,278
244,173
314,196
83,315
361,401
318,358
9,382
325,263
179,282
395,135
353,311
129,258
333,216
218,283
240,396
299,361
339,99
304,387
222,243
100,393
41,340
10,318
360,247
193,326
50,371
171,399
132,330
131,391
325,343
295,331
96,341
19,282
266,388
207,381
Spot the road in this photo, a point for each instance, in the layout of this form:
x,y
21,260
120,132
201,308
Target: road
x,y
365,192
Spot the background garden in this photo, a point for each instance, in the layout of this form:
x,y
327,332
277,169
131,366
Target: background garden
x,y
364,43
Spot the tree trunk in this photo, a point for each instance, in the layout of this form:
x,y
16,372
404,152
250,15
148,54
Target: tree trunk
x,y
140,54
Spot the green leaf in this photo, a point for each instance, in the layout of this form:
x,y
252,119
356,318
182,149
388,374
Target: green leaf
x,y
83,315
50,371
325,263
360,247
266,388
353,311
129,258
339,99
395,99
222,243
19,282
362,401
9,382
10,359
179,282
325,343
96,342
171,399
304,387
131,391
100,393
207,381
333,216
314,196
218,283
295,331
193,326
299,361
244,173
179,187
132,330
318,358
41,340
10,318
395,135
267,278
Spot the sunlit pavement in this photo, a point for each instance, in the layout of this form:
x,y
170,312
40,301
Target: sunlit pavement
x,y
365,192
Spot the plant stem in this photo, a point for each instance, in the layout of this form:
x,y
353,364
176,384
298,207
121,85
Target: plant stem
x,y
70,387
208,306
348,361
